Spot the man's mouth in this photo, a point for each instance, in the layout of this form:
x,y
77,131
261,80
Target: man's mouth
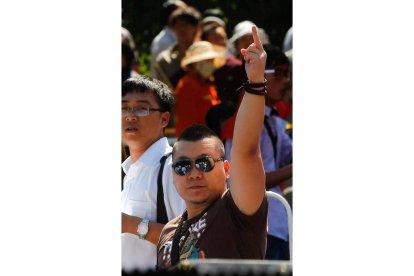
x,y
131,129
195,187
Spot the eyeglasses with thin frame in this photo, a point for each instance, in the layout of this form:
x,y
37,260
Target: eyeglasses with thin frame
x,y
139,111
279,73
204,164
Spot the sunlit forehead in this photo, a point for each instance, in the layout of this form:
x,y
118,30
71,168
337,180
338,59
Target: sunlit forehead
x,y
137,104
145,99
196,149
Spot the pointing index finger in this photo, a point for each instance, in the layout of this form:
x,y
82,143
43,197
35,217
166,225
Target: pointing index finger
x,y
256,38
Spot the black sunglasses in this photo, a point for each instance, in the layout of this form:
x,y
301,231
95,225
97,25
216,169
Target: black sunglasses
x,y
203,164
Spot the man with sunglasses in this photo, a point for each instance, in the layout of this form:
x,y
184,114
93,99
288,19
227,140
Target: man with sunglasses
x,y
146,107
220,222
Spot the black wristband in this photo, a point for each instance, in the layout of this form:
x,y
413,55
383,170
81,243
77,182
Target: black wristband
x,y
256,84
260,92
249,85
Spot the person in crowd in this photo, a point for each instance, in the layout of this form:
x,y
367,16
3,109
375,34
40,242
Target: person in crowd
x,y
149,198
276,151
195,92
242,37
166,37
220,222
184,23
227,79
288,101
212,21
129,55
214,33
211,17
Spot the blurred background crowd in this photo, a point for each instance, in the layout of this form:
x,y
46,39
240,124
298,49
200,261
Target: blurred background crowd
x,y
157,34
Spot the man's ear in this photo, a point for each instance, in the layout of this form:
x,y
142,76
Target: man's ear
x,y
165,118
227,168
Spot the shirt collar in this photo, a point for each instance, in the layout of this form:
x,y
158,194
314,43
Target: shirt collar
x,y
151,156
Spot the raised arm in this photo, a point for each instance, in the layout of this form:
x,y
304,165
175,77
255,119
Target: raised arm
x,y
247,184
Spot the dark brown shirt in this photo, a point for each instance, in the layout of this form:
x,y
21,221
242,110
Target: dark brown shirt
x,y
222,231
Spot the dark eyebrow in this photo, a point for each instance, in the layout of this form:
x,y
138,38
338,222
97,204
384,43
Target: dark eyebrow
x,y
182,158
198,156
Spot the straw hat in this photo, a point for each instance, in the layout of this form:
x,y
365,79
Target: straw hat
x,y
203,50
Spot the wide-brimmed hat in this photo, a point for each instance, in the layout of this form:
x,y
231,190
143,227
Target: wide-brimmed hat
x,y
244,28
203,50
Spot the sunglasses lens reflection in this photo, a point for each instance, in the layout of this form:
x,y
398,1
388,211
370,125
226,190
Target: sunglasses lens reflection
x,y
204,164
182,167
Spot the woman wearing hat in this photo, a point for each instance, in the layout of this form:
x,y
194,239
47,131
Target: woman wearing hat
x,y
195,93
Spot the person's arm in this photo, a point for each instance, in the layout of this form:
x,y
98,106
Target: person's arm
x,y
247,183
276,177
130,225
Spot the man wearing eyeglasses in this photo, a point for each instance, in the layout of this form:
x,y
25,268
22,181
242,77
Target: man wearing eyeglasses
x,y
146,107
220,222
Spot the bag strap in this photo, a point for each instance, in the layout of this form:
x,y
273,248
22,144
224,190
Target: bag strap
x,y
272,136
161,210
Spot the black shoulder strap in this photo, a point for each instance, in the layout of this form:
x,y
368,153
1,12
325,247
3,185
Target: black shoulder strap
x,y
161,210
272,136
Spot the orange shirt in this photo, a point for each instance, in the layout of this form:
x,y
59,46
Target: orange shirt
x,y
194,98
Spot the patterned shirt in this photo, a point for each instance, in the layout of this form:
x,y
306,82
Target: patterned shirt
x,y
222,231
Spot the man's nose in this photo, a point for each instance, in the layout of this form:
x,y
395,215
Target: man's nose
x,y
195,174
130,115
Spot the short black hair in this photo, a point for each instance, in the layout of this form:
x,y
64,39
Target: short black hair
x,y
196,133
189,14
142,84
275,56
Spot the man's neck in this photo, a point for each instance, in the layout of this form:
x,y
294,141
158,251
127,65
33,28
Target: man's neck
x,y
194,210
138,149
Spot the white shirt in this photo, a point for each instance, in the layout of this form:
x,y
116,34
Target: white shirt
x,y
139,198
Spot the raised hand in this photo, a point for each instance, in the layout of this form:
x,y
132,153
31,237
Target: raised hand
x,y
255,58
